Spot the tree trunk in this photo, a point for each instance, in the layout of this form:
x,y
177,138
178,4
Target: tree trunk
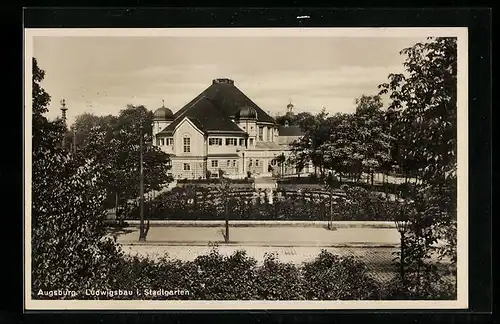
x,y
371,171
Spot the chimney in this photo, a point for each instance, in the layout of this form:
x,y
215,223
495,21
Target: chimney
x,y
222,80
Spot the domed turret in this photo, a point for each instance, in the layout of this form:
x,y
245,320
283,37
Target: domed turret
x,y
163,113
246,112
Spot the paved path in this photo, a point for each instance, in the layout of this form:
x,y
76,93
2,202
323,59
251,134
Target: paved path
x,y
265,236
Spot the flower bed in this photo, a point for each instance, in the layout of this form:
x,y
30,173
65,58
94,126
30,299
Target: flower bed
x,y
205,204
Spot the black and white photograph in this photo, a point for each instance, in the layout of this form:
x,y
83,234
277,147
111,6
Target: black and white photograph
x,y
278,168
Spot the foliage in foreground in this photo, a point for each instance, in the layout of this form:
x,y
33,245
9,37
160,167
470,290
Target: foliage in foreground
x,y
68,249
238,277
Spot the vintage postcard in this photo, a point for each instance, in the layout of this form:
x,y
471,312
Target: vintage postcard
x,y
185,169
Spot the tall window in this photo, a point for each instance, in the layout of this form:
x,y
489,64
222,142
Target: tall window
x,y
261,133
187,145
242,142
269,134
256,162
228,163
234,163
187,167
215,163
251,142
250,163
170,141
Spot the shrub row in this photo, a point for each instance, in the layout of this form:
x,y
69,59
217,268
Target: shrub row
x,y
333,182
238,277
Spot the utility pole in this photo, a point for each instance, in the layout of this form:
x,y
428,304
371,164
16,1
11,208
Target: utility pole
x,y
74,141
330,225
142,233
226,203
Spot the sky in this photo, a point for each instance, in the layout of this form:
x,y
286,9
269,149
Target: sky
x,y
101,75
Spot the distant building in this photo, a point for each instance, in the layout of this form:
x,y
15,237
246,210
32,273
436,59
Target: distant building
x,y
222,131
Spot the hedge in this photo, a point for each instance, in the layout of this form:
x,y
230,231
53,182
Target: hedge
x,y
312,182
238,277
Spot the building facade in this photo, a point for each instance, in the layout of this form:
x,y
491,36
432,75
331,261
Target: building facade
x,y
222,131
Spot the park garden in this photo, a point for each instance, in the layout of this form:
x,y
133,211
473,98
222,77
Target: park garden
x,y
78,173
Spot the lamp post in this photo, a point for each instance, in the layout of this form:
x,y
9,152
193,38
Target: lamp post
x,y
402,224
142,232
225,183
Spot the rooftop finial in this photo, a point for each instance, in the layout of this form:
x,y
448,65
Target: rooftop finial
x,y
163,103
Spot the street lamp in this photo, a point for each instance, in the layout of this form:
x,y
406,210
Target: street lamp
x,y
142,229
402,225
225,191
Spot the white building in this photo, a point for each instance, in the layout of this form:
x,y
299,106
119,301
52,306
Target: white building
x,y
222,130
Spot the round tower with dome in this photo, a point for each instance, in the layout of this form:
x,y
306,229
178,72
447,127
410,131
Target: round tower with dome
x,y
246,118
162,117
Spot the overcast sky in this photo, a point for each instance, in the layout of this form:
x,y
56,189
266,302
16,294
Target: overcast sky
x,y
101,75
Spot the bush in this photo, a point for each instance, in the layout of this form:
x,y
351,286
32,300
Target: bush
x,y
332,181
332,277
238,277
279,281
430,286
225,277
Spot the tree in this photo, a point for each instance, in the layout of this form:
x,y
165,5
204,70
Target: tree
x,y
85,122
68,249
423,112
338,149
373,143
113,142
308,148
424,107
280,160
293,119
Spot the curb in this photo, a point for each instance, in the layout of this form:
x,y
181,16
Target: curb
x,y
259,244
238,223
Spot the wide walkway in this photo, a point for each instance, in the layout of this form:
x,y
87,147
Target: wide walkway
x,y
373,246
265,236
